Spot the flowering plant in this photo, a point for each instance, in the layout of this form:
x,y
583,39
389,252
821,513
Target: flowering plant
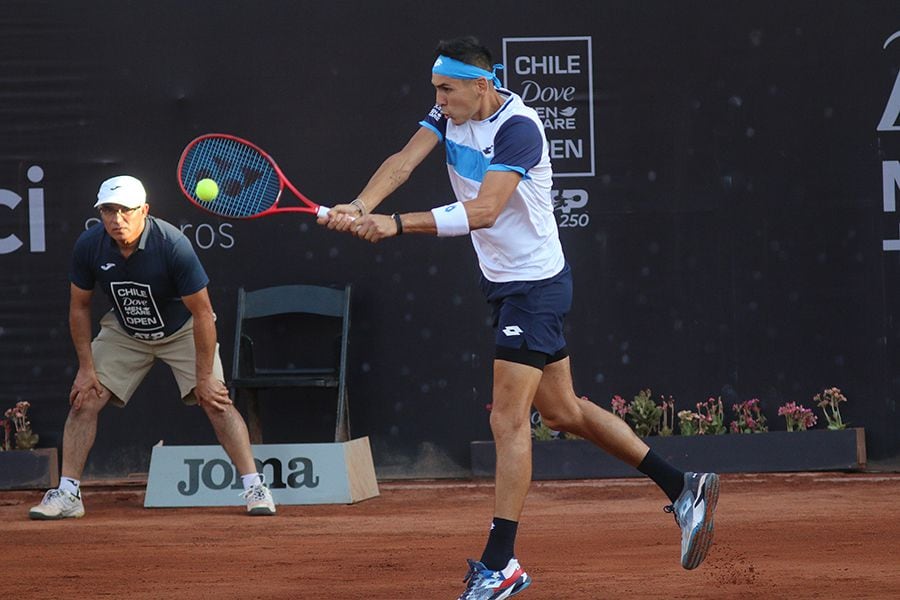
x,y
619,406
715,415
26,439
688,424
829,401
645,416
667,427
749,417
708,420
799,418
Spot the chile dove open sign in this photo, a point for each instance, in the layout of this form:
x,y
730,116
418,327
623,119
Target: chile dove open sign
x,y
328,473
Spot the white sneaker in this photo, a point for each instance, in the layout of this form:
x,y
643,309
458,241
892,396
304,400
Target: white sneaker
x,y
259,500
58,504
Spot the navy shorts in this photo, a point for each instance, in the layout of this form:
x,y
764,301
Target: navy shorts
x,y
530,314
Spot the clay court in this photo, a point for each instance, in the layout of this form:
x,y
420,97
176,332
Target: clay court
x,y
808,535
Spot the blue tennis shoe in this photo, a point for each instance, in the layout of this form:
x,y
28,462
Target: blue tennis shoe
x,y
694,511
484,584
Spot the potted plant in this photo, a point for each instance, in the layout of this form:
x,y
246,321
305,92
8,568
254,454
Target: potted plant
x,y
704,442
22,466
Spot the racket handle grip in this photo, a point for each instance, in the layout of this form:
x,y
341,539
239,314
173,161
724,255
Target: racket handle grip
x,y
322,211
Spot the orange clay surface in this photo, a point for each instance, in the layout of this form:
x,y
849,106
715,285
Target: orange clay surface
x,y
810,535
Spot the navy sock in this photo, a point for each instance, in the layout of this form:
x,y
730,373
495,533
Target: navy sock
x,y
667,477
500,544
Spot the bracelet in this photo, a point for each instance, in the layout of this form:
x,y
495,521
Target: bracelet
x,y
396,218
360,206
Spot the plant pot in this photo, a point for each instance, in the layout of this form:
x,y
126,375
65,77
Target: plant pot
x,y
776,451
29,469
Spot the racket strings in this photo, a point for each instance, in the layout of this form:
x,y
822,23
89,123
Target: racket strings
x,y
247,180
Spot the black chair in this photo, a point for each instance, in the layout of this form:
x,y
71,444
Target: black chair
x,y
305,328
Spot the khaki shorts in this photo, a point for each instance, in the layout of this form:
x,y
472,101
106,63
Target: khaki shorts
x,y
122,362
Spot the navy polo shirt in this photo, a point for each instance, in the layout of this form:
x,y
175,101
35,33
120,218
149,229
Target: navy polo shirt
x,y
146,288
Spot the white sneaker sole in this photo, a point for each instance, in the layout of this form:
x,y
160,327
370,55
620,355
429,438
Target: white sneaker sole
x,y
35,515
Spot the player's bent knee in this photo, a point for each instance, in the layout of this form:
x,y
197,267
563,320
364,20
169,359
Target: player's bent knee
x,y
567,415
559,420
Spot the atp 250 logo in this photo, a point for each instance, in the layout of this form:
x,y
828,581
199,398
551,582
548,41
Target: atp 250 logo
x,y
571,207
36,230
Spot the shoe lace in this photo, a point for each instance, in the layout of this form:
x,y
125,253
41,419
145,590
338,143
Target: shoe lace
x,y
58,497
478,578
477,575
256,492
670,508
53,497
471,572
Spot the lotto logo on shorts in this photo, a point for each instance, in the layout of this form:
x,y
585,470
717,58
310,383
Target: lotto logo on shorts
x,y
512,330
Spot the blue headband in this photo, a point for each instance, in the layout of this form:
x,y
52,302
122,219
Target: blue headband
x,y
450,67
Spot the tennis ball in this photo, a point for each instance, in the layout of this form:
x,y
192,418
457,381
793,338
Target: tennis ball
x,y
207,190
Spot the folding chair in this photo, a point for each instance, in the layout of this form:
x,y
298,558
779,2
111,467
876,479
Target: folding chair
x,y
307,329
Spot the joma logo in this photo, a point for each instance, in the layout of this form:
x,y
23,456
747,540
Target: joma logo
x,y
218,474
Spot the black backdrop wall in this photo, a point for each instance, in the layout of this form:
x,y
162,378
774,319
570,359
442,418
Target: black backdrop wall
x,y
726,179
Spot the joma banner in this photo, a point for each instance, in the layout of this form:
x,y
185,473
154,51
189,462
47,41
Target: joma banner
x,y
338,473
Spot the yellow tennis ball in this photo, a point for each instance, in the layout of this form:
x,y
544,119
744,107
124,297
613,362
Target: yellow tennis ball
x,y
207,190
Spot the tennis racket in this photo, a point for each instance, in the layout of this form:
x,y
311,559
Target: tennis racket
x,y
250,183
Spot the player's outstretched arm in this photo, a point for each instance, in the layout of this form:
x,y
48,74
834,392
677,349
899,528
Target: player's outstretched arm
x,y
453,219
392,173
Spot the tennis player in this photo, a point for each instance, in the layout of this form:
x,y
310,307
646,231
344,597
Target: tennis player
x,y
499,167
160,310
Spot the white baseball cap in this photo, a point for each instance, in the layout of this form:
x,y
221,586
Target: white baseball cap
x,y
123,190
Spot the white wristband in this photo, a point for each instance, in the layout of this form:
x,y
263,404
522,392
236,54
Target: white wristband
x,y
451,220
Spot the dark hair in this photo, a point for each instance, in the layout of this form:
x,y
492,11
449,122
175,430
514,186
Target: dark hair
x,y
466,49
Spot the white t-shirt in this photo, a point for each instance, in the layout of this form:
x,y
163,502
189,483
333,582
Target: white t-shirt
x,y
523,244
